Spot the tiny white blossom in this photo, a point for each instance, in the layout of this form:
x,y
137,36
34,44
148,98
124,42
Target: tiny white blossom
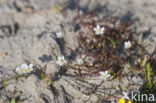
x,y
19,71
61,61
24,69
127,44
83,57
79,61
30,68
98,30
104,75
59,35
125,95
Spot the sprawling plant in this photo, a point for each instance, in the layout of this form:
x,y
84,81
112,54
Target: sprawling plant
x,y
106,46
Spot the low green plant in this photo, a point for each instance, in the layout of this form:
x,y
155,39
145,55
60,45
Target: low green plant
x,y
148,75
13,100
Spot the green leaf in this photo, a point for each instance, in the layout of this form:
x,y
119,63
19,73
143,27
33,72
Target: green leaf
x,y
52,51
57,7
148,74
43,75
110,71
13,100
5,81
121,87
154,82
113,41
134,67
148,85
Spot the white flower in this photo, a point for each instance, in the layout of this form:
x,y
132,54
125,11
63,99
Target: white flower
x,y
98,30
83,57
128,44
125,95
30,68
61,61
104,75
19,70
24,69
59,35
79,61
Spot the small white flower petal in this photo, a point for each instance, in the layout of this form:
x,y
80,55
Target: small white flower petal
x,y
106,72
108,75
24,66
30,65
98,26
102,77
57,62
102,29
102,33
79,61
24,72
96,33
62,57
95,29
61,64
125,95
102,73
59,58
59,35
65,62
17,70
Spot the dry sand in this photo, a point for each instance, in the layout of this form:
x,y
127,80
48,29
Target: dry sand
x,y
27,36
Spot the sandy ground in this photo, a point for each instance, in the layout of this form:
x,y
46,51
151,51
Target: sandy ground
x,y
28,36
